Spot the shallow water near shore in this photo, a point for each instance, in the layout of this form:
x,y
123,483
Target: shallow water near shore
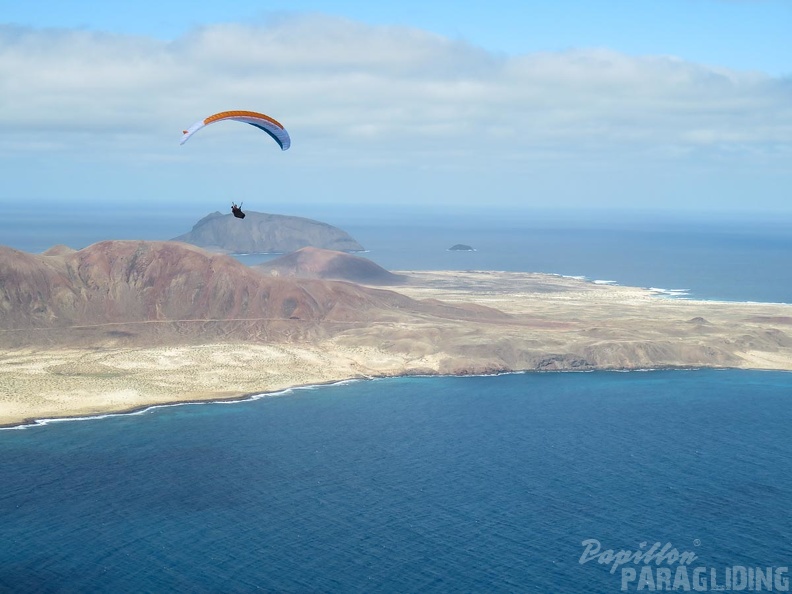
x,y
408,484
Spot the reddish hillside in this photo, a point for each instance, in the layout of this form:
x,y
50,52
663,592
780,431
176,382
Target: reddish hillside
x,y
134,282
311,262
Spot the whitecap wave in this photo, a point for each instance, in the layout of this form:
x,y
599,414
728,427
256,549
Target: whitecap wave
x,y
146,409
670,292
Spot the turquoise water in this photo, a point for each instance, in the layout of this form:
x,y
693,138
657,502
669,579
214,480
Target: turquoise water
x,y
477,484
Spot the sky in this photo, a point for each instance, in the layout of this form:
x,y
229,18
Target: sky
x,y
669,105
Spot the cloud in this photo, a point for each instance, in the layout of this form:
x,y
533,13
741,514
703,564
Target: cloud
x,y
354,94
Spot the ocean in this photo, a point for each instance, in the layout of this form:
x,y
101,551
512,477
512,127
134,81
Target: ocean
x,y
735,258
476,484
538,482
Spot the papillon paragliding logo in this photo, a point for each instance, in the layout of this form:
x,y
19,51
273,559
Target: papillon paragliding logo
x,y
665,568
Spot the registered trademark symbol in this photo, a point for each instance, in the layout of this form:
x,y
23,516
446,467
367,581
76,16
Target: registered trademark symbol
x,y
696,542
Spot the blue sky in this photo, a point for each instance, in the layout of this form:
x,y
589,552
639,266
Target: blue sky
x,y
631,104
746,34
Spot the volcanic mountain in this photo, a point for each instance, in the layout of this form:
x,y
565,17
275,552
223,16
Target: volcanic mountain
x,y
164,292
264,233
122,324
311,262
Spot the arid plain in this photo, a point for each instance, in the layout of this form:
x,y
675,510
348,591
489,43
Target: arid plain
x,y
436,322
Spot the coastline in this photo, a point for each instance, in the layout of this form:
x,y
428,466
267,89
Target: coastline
x,y
139,410
551,323
40,422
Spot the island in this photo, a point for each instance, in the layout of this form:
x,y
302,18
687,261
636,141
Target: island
x,y
461,247
123,325
264,233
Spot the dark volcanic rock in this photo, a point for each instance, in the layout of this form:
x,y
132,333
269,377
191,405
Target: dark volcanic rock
x,y
260,233
698,320
311,262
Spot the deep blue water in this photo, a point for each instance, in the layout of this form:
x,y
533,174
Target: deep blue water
x,y
745,264
478,484
422,484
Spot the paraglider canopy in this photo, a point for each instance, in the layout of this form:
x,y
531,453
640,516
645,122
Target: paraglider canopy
x,y
261,121
237,210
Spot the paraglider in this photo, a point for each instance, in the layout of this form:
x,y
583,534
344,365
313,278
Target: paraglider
x,y
237,210
264,122
261,121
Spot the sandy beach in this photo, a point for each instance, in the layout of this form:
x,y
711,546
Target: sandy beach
x,y
551,323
